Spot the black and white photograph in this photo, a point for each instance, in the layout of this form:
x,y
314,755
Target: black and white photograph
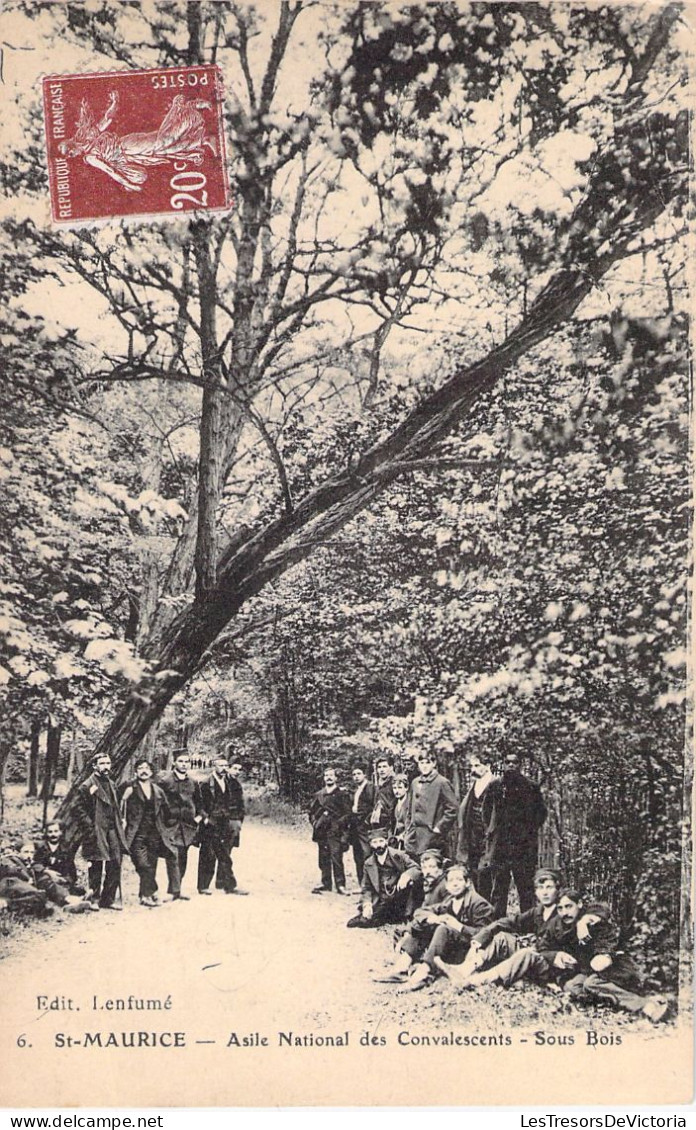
x,y
345,533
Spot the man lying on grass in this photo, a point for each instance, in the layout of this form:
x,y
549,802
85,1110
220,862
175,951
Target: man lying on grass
x,y
579,955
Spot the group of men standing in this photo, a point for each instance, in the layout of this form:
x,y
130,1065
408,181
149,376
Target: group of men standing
x,y
451,913
159,817
497,824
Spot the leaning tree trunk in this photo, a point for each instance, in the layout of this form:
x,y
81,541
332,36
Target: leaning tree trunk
x,y
603,228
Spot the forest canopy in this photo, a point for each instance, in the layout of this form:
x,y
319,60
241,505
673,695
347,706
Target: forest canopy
x,y
395,452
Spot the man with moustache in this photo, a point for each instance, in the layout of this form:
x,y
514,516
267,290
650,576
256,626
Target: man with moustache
x,y
222,807
99,831
330,815
183,798
361,811
54,854
391,885
147,830
475,823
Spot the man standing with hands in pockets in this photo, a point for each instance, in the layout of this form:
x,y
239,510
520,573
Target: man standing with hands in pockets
x,y
222,807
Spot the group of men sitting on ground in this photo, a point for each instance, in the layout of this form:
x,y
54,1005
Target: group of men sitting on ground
x,y
37,880
150,818
451,917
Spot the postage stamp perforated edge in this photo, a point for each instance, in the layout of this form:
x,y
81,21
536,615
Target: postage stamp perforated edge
x,y
168,215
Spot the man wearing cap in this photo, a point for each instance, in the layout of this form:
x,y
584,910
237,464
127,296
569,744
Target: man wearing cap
x,y
222,807
513,844
390,884
505,936
431,808
183,798
330,816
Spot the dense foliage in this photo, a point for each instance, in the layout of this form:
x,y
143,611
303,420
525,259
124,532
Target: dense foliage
x,y
394,454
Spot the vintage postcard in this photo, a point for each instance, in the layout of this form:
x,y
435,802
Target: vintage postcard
x,y
345,581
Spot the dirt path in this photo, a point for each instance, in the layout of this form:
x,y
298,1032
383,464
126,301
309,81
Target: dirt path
x,y
280,960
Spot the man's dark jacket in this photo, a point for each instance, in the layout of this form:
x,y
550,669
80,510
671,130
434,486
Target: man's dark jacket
x,y
366,803
330,815
473,913
184,803
466,848
223,810
97,815
518,812
382,815
370,881
134,805
62,861
531,922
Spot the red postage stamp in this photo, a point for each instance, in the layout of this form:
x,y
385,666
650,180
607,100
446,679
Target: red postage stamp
x,y
135,143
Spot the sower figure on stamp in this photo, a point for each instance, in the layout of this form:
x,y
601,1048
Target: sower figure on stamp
x,y
100,832
475,822
222,806
128,158
431,808
330,816
184,803
361,811
147,831
513,844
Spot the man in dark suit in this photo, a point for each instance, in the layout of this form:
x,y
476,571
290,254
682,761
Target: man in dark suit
x,y
431,809
504,937
147,832
54,854
184,803
329,812
382,815
514,835
391,884
222,807
454,922
578,952
100,833
475,820
362,805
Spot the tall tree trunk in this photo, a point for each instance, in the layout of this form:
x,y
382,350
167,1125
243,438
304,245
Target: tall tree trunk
x,y
50,766
34,755
210,456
